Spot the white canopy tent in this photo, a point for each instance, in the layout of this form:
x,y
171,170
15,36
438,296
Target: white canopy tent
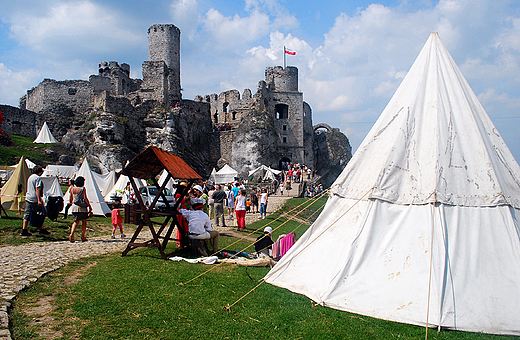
x,y
225,175
422,220
45,136
99,207
61,171
270,174
119,188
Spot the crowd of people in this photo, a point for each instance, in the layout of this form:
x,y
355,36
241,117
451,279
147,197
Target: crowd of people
x,y
202,203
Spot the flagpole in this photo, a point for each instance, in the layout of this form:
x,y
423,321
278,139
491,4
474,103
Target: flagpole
x,y
284,56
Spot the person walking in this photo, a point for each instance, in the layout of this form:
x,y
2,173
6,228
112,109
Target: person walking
x,y
218,202
263,204
240,209
33,200
211,202
230,202
117,221
81,208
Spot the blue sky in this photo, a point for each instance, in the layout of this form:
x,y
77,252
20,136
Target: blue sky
x,y
351,55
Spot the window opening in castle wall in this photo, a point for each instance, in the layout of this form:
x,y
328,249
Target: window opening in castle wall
x,y
282,111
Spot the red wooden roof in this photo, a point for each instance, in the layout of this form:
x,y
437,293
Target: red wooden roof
x,y
153,160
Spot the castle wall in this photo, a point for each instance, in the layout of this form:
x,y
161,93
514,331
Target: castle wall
x,y
74,94
18,121
155,85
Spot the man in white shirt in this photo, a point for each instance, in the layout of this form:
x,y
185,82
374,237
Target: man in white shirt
x,y
199,225
33,200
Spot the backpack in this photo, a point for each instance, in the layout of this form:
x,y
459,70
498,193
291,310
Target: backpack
x,y
79,200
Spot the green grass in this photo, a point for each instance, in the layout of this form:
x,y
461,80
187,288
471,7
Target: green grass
x,y
11,226
24,146
139,297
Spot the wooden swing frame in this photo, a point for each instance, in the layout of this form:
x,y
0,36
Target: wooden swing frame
x,y
147,165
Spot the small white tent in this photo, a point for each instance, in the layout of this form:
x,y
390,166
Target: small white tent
x,y
270,174
212,175
61,171
45,136
119,188
422,225
225,175
99,207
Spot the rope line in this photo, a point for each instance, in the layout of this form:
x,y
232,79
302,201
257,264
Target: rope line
x,y
324,230
228,307
312,201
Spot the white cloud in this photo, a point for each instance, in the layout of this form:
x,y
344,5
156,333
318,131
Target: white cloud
x,y
186,16
71,28
12,84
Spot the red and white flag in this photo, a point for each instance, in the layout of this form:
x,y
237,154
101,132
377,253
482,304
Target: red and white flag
x,y
289,52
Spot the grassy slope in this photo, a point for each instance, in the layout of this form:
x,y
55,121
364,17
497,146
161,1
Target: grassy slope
x,y
24,146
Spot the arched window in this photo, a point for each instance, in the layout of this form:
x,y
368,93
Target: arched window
x,y
225,107
215,117
233,115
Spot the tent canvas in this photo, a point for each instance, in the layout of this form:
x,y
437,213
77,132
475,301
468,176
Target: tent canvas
x,y
212,175
61,171
10,188
423,219
170,184
105,182
225,175
119,188
99,207
51,187
45,136
270,174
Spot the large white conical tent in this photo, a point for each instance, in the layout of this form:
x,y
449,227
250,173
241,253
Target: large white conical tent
x,y
45,136
99,206
422,225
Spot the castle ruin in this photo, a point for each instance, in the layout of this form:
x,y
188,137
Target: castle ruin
x,y
287,133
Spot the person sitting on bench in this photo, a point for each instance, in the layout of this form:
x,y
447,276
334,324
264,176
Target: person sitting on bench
x,y
199,225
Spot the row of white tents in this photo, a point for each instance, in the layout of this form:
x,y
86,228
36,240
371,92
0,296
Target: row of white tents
x,y
95,184
228,175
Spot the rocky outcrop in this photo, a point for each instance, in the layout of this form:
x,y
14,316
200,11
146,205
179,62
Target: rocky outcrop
x,y
255,142
333,152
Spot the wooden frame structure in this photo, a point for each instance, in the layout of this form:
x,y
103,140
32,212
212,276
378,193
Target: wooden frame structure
x,y
147,165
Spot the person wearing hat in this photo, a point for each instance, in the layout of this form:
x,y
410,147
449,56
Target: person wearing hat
x,y
198,196
264,243
199,225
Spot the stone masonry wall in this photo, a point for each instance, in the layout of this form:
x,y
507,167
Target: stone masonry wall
x,y
18,121
74,94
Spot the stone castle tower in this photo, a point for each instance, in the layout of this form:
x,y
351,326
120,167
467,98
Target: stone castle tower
x,y
162,72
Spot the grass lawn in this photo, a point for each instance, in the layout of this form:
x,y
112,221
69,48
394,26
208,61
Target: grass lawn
x,y
139,297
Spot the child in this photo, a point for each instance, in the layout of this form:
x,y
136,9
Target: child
x,y
20,196
117,220
248,205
